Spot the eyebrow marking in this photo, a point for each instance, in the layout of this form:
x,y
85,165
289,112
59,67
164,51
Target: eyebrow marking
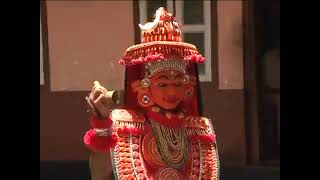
x,y
178,76
163,77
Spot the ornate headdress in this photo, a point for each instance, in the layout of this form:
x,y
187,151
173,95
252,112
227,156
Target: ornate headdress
x,y
161,48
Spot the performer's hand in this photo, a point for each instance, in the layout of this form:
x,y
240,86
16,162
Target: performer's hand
x,y
100,101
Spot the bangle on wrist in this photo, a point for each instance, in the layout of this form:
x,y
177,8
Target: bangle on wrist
x,y
102,132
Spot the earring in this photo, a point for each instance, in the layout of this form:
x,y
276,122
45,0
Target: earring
x,y
145,82
188,94
145,100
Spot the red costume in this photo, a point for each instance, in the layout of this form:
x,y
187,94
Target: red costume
x,y
149,141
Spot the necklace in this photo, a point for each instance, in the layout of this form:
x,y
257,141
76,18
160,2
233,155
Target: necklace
x,y
170,119
172,144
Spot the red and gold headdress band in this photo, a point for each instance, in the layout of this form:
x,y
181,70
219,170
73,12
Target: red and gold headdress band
x,y
156,66
160,41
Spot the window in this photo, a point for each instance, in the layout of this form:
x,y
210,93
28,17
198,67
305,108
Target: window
x,y
41,56
195,18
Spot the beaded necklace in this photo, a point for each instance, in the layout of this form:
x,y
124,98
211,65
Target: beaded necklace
x,y
171,141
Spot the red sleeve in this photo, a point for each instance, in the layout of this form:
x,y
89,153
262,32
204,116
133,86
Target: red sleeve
x,y
95,142
99,143
100,123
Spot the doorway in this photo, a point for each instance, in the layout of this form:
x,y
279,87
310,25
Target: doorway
x,y
262,80
267,27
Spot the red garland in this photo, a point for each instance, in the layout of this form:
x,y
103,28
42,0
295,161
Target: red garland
x,y
129,61
195,58
174,121
205,138
153,57
150,57
100,123
99,143
126,130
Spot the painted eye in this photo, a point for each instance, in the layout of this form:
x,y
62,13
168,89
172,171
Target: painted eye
x,y
178,84
162,85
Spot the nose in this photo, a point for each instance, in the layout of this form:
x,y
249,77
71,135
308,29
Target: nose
x,y
171,91
171,94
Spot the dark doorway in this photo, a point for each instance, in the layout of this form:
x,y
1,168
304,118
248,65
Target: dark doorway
x,y
267,36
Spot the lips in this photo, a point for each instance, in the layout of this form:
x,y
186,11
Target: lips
x,y
171,99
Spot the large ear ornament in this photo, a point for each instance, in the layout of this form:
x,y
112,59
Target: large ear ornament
x,y
142,88
188,93
145,98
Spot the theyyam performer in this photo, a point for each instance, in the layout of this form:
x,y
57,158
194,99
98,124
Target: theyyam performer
x,y
157,133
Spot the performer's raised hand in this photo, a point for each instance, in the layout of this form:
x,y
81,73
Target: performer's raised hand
x,y
100,100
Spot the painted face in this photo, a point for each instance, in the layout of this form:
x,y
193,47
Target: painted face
x,y
167,88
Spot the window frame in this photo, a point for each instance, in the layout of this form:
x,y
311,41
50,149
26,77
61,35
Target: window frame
x,y
41,54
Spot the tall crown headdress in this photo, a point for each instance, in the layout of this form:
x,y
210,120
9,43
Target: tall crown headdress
x,y
161,46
